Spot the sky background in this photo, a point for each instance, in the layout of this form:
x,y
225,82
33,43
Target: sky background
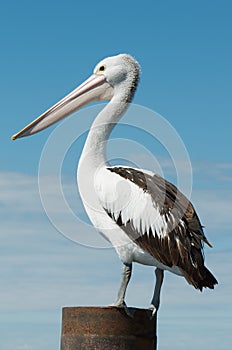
x,y
47,48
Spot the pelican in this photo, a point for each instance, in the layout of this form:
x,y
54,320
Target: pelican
x,y
146,218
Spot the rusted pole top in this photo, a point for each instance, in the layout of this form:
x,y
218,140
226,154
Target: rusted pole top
x,y
107,328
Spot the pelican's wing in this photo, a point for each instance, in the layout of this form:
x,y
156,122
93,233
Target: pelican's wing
x,y
158,218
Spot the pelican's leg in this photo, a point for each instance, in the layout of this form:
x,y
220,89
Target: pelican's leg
x,y
125,278
156,296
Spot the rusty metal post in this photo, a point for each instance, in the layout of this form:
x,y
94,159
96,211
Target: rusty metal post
x,y
107,328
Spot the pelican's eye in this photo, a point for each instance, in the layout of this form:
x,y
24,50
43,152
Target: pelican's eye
x,y
102,68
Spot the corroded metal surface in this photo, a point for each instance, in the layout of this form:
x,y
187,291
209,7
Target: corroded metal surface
x,y
107,328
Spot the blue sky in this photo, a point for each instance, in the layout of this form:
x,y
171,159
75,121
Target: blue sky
x,y
47,48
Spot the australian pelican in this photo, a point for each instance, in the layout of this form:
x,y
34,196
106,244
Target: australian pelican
x,y
145,217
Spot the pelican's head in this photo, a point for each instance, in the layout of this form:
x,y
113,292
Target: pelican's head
x,y
121,72
115,76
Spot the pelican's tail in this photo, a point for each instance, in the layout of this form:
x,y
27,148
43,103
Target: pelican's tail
x,y
200,277
209,281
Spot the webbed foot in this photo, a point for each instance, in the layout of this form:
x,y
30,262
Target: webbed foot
x,y
123,306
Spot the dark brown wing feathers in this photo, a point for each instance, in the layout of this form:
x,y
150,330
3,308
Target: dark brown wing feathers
x,y
182,245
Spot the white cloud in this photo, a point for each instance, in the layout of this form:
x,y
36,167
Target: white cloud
x,y
219,172
25,347
214,206
18,193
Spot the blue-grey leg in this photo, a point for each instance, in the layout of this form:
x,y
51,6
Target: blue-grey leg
x,y
125,278
155,302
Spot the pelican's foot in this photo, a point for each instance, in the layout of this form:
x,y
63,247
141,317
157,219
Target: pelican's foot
x,y
124,307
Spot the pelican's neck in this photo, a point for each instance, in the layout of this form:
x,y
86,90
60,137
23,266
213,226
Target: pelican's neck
x,y
94,151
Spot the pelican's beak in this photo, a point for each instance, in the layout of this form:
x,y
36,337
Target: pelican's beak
x,y
95,88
